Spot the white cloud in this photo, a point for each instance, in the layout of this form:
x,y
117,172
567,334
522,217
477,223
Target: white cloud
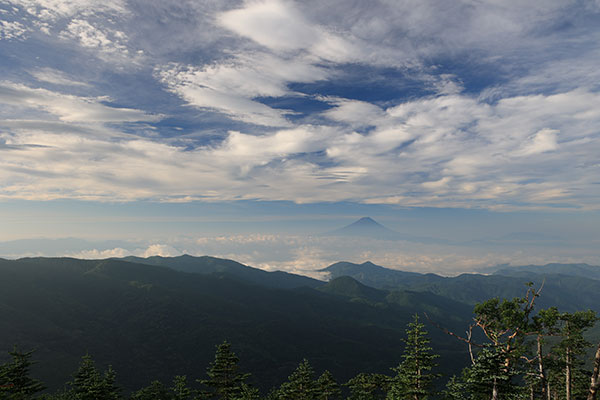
x,y
306,255
354,112
95,254
542,141
54,9
68,108
232,85
510,145
160,250
107,42
436,185
444,151
190,86
259,19
55,77
11,30
157,249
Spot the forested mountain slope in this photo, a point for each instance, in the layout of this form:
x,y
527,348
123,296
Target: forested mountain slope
x,y
568,289
153,322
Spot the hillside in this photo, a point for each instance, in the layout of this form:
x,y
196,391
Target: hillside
x,y
222,267
379,277
571,289
577,270
153,322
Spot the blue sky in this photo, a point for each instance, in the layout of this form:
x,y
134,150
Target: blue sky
x,y
152,121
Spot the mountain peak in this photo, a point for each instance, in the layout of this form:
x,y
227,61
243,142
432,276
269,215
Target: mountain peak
x,y
366,221
365,226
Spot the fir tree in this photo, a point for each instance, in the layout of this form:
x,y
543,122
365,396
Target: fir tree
x,y
248,392
455,390
15,382
61,395
489,376
300,384
89,384
180,388
224,377
327,388
155,391
568,377
413,375
368,386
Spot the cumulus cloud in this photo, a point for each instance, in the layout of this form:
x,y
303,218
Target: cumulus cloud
x,y
156,249
160,250
11,30
92,37
90,24
54,9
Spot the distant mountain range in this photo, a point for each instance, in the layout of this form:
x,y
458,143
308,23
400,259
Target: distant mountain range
x,y
152,318
576,270
572,286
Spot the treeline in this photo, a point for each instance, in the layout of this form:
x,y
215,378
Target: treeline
x,y
515,353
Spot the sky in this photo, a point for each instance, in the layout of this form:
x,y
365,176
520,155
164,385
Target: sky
x,y
245,129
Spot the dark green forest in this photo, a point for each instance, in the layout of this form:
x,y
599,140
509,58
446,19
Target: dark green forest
x,y
148,329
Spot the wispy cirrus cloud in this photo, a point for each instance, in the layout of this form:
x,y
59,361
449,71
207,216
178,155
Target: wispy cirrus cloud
x,y
55,77
67,107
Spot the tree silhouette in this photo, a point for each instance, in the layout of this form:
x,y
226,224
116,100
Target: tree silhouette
x,y
224,378
15,382
413,375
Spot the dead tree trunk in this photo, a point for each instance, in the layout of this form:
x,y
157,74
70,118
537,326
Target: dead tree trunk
x,y
568,374
495,390
541,371
595,382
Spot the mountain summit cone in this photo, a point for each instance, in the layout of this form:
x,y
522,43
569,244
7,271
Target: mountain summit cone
x,y
366,227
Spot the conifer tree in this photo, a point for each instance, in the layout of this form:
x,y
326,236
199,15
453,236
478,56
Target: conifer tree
x,y
569,379
455,389
155,391
489,376
180,388
224,377
15,382
366,386
327,388
248,392
300,384
413,375
89,384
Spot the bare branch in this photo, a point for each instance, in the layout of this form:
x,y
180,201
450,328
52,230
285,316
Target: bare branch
x,y
468,341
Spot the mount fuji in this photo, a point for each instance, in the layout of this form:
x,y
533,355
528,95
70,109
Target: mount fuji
x,y
368,227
